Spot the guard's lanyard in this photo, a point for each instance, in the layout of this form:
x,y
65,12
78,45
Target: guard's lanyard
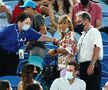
x,y
20,38
80,45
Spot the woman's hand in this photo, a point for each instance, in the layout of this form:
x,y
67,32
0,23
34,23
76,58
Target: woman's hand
x,y
52,52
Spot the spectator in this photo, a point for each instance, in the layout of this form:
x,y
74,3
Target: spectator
x,y
70,81
92,8
58,8
5,85
105,87
28,74
12,38
38,24
17,10
5,15
90,52
67,46
39,3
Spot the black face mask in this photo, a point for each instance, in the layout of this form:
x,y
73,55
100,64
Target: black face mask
x,y
84,2
34,75
79,28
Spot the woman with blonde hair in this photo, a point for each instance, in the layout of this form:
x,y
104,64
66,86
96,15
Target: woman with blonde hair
x,y
67,46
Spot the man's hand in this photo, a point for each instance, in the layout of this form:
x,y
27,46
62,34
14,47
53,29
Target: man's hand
x,y
90,69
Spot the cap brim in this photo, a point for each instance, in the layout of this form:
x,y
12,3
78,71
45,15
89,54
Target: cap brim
x,y
22,7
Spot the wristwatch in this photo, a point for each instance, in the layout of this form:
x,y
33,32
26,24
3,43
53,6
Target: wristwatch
x,y
92,63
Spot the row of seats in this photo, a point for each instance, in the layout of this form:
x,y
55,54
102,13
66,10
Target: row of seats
x,y
104,62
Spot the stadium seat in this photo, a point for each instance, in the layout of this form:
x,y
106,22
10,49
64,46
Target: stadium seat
x,y
105,57
11,3
105,21
104,9
20,66
104,74
105,49
104,38
103,81
49,46
47,21
104,67
37,61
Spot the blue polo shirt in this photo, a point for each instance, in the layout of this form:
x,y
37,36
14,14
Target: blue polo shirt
x,y
10,37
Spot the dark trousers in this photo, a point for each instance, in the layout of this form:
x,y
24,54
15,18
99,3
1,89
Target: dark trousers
x,y
93,81
8,63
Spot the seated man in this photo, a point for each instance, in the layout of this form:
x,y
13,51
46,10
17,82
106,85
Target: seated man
x,y
70,81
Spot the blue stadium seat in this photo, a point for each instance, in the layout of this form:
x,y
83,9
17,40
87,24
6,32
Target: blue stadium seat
x,y
11,3
104,74
104,67
105,57
14,80
104,9
105,49
49,46
103,81
47,21
105,21
20,66
37,61
104,38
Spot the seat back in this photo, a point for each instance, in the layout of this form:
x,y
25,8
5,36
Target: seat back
x,y
47,21
105,49
104,67
36,61
20,66
103,81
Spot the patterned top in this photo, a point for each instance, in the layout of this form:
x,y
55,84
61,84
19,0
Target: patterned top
x,y
68,43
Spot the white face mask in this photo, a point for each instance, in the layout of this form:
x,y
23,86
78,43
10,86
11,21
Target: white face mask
x,y
103,88
25,27
69,75
66,30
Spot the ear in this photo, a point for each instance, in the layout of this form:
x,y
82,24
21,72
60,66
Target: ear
x,y
77,72
19,25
